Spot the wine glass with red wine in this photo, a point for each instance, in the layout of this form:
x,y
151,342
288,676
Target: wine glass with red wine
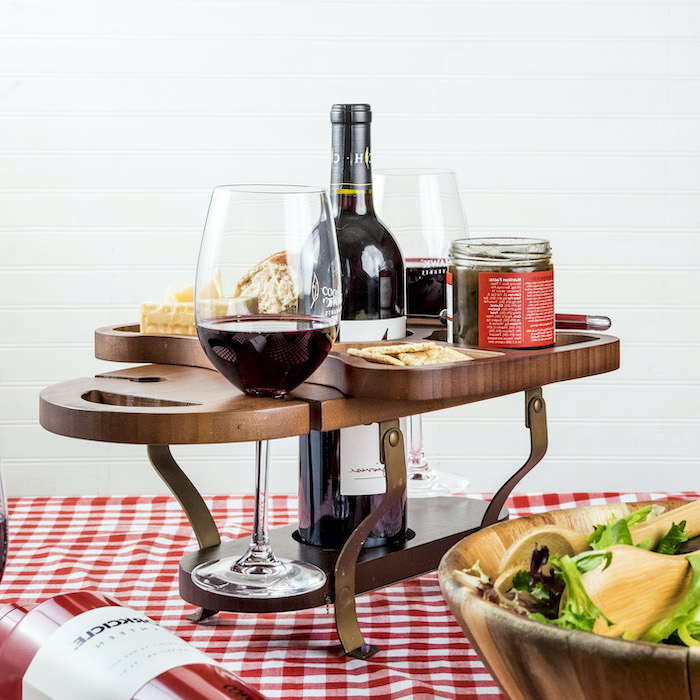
x,y
267,307
423,210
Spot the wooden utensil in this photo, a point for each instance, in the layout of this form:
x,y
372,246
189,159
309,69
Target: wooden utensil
x,y
636,590
566,541
657,527
558,540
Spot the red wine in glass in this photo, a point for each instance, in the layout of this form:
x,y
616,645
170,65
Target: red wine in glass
x,y
267,355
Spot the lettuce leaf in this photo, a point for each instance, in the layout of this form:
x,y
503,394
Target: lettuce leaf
x,y
689,633
579,611
523,581
673,540
685,613
617,530
538,589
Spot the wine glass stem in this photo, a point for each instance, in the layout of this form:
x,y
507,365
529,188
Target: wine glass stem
x,y
259,548
417,463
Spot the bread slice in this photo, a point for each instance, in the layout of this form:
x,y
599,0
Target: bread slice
x,y
271,283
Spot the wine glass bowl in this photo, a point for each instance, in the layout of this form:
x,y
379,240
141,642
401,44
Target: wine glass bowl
x,y
423,209
267,307
267,357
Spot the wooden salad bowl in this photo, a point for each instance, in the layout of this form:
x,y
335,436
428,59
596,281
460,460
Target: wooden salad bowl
x,y
533,660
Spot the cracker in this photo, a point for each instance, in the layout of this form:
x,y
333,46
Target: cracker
x,y
375,357
409,354
451,355
433,356
402,348
414,359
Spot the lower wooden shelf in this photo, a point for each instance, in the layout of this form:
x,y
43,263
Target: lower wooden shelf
x,y
435,524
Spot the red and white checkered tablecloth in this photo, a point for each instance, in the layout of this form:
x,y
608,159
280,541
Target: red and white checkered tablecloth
x,y
130,547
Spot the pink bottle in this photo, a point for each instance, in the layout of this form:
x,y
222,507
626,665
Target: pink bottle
x,y
87,646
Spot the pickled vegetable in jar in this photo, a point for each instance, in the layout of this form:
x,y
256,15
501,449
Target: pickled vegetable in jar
x,y
500,293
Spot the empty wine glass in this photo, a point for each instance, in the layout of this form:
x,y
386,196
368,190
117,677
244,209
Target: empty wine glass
x,y
267,307
423,210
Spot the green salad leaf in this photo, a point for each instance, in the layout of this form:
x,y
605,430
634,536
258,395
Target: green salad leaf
x,y
617,530
689,633
579,612
522,581
687,612
673,540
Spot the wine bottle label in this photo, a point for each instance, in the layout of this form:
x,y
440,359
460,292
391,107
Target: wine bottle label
x,y
107,653
351,173
376,329
361,471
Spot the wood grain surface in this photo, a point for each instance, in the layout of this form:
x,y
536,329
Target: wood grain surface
x,y
182,400
534,660
124,343
493,372
166,405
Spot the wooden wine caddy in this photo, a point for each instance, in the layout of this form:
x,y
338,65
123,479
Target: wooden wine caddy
x,y
179,399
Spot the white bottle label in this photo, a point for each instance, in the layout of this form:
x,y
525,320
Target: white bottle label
x,y
361,472
107,653
377,329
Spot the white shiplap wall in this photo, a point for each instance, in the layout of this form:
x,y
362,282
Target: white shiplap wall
x,y
575,121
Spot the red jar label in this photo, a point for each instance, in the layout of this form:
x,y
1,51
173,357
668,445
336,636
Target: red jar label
x,y
516,309
449,294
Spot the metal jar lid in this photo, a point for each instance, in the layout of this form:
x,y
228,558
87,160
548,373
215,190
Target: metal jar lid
x,y
500,251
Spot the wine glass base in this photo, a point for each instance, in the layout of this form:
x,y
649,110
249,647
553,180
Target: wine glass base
x,y
278,579
428,484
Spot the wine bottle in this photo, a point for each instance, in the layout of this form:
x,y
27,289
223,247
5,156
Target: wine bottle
x,y
85,645
341,476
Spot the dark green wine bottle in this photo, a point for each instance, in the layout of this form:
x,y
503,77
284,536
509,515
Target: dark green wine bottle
x,y
341,476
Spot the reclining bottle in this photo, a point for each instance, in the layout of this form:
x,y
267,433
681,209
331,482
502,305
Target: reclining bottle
x,y
85,645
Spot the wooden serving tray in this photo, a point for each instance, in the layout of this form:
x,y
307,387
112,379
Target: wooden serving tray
x,y
124,343
493,372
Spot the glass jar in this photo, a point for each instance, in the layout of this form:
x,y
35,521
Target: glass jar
x,y
500,293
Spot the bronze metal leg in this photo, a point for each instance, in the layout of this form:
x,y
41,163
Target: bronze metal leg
x,y
536,421
393,456
192,503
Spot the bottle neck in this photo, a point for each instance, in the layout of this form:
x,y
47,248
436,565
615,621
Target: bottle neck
x,y
351,169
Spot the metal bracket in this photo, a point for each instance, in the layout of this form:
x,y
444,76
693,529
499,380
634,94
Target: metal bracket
x,y
183,489
536,421
192,503
392,454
